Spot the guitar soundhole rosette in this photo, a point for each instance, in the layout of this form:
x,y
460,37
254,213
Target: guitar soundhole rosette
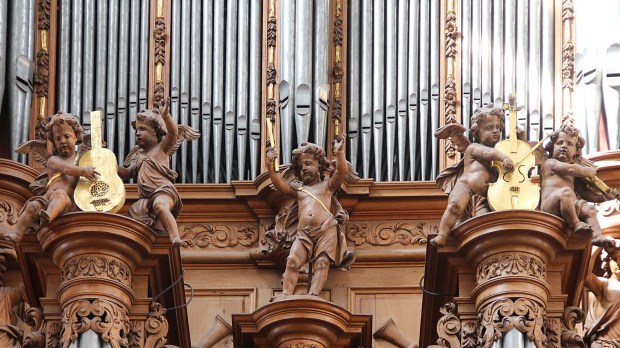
x,y
99,189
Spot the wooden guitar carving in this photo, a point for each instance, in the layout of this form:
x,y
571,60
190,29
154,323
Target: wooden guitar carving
x,y
107,192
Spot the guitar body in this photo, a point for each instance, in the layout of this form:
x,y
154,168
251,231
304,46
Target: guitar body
x,y
514,190
107,193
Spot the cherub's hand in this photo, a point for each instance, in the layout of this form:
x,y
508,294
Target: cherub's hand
x,y
90,173
591,172
339,142
272,154
508,164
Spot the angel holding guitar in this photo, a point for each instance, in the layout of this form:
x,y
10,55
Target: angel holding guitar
x,y
157,138
472,175
54,188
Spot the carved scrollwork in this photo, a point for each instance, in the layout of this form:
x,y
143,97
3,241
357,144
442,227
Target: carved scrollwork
x,y
52,335
8,214
510,265
96,266
103,317
608,208
569,335
384,234
156,327
448,328
469,334
219,236
503,315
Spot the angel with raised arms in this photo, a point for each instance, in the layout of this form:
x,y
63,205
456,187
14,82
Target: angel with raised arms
x,y
157,138
54,188
472,175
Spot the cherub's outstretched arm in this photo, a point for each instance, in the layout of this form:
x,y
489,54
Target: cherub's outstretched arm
x,y
172,132
277,179
341,164
127,172
595,284
71,169
489,154
570,169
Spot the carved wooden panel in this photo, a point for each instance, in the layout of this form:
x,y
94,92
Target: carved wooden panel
x,y
403,305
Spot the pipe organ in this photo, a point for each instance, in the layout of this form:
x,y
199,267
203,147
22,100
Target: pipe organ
x,y
396,70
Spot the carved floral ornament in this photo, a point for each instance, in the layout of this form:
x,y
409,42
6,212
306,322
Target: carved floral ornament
x,y
8,214
219,236
101,316
501,316
97,267
384,234
513,264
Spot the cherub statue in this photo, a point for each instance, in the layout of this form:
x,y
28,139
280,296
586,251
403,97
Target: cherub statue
x,y
10,334
561,194
472,175
320,238
602,325
54,188
157,138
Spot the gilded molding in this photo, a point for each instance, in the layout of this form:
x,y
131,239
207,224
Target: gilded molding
x,y
469,334
272,31
42,65
568,59
513,264
503,315
450,94
159,35
569,333
337,71
448,327
156,326
96,267
103,317
451,31
8,214
219,236
384,234
605,209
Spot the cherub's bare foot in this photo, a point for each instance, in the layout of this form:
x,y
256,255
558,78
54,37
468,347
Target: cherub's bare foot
x,y
44,217
278,297
582,227
178,242
438,241
603,242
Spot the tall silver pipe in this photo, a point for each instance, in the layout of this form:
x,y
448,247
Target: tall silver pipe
x,y
4,11
186,40
231,85
134,67
303,69
486,51
412,86
218,85
123,75
534,69
64,55
510,42
434,12
593,95
366,84
522,57
101,58
175,68
476,60
424,86
390,85
207,81
498,51
112,70
77,32
353,119
89,57
403,50
255,84
242,86
611,96
466,63
548,58
287,77
378,83
144,57
321,64
194,82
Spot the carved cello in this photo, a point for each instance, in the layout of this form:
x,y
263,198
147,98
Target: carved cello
x,y
514,190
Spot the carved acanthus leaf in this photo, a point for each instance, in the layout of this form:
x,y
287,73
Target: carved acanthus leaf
x,y
135,335
568,66
103,317
503,315
52,334
451,31
272,31
156,327
383,234
469,334
8,214
512,264
570,337
96,266
448,328
553,333
219,236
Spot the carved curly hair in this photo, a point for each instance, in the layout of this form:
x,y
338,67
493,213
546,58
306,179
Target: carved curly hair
x,y
153,119
570,130
480,115
61,118
313,149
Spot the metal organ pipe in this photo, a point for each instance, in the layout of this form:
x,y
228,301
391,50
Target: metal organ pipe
x,y
287,77
303,69
175,68
218,85
230,97
366,100
466,63
112,68
434,14
354,84
378,84
255,85
321,62
101,44
206,81
242,87
89,64
498,52
390,85
547,76
412,84
424,85
194,84
134,70
402,55
534,69
123,74
187,39
76,57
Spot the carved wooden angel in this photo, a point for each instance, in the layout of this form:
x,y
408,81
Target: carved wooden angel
x,y
157,138
472,175
54,188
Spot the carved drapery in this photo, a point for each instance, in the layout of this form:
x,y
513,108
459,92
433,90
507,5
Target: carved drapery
x,y
219,236
98,267
510,264
448,327
503,315
103,317
384,234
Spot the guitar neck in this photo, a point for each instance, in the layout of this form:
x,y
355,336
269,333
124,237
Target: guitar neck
x,y
512,119
96,129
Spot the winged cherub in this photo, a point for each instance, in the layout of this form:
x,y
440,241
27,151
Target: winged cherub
x,y
157,138
54,188
472,175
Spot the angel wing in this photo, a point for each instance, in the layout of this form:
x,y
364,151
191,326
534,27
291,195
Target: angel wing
x,y
185,133
351,176
132,155
35,148
448,177
456,133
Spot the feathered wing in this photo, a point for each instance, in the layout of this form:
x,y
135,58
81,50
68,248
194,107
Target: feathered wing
x,y
446,180
35,148
185,133
456,133
132,155
351,175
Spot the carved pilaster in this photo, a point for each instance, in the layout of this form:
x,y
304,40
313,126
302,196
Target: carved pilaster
x,y
501,316
159,52
271,105
105,318
338,70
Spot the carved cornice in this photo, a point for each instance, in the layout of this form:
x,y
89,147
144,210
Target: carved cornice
x,y
219,236
448,327
512,264
569,333
384,234
503,315
103,317
96,267
156,326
